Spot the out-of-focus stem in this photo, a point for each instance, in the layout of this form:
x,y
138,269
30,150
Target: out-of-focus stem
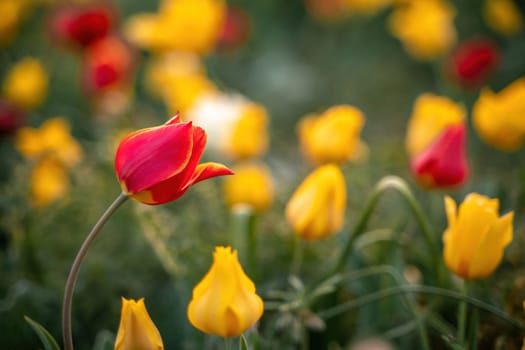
x,y
73,273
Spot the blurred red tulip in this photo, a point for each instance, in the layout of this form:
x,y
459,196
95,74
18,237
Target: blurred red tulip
x,y
108,63
11,118
473,61
326,10
236,29
157,165
443,164
81,25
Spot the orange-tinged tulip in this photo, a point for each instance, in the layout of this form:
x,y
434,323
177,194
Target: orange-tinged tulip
x,y
157,165
316,209
252,185
476,236
136,330
444,163
498,118
333,136
224,302
430,116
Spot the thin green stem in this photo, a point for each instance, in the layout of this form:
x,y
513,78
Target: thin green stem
x,y
228,343
370,298
297,256
73,273
244,238
462,315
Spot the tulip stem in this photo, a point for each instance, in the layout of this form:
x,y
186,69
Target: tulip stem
x,y
462,315
244,239
228,343
400,185
75,267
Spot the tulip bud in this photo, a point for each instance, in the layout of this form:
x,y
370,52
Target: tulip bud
x,y
476,237
316,209
26,84
252,185
49,182
224,302
136,330
235,29
444,163
503,16
333,136
157,165
11,118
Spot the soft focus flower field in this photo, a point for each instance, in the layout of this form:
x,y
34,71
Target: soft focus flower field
x,y
301,174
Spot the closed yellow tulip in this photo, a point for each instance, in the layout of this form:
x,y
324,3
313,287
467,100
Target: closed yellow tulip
x,y
316,209
476,236
224,302
251,185
503,16
498,118
49,181
333,136
26,83
136,330
431,115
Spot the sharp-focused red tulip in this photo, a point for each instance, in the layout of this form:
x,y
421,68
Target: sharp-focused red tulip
x,y
443,164
108,63
11,118
473,61
157,165
81,25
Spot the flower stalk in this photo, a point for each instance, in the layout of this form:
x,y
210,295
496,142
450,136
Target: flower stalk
x,y
75,268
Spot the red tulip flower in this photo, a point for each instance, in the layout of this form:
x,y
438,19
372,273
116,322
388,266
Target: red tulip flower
x,y
235,29
443,164
472,62
11,118
108,63
157,165
80,25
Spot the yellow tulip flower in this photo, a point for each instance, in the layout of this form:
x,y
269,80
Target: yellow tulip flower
x,y
476,236
251,185
431,115
333,136
224,302
136,330
53,137
498,118
49,182
503,16
26,83
316,209
426,28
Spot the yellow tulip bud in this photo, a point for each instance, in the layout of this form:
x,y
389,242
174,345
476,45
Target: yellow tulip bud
x,y
316,209
498,117
333,136
249,136
503,16
49,182
251,185
476,236
136,330
431,115
426,28
26,84
224,302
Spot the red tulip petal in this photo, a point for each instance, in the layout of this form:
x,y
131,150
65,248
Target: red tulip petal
x,y
174,120
149,156
208,170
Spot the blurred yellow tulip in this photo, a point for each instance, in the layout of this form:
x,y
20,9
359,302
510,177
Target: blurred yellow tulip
x,y
316,208
426,28
476,236
136,330
180,25
431,115
49,182
503,16
26,83
224,302
251,185
53,137
12,12
499,118
332,136
365,7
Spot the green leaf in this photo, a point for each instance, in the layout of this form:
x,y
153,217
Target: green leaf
x,y
243,344
45,337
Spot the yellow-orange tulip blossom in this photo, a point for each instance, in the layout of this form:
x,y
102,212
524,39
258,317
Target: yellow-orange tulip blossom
x,y
476,236
224,302
26,83
316,209
503,16
136,330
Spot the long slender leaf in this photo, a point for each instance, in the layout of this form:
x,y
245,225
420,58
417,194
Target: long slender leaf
x,y
46,338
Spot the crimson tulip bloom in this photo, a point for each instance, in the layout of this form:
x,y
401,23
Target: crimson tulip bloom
x,y
443,164
157,165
